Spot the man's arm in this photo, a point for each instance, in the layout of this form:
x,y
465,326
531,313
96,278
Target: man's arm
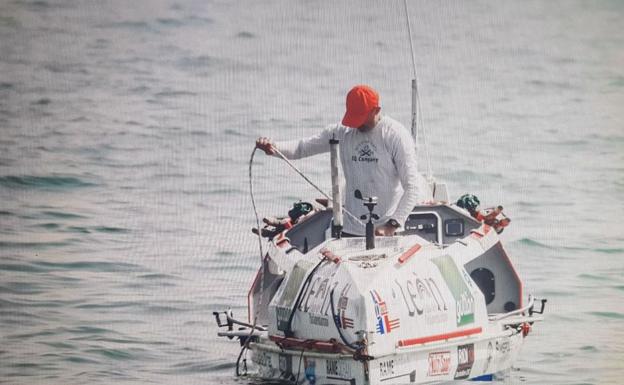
x,y
404,156
300,148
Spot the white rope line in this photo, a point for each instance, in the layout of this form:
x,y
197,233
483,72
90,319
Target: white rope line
x,y
260,303
425,141
253,203
278,152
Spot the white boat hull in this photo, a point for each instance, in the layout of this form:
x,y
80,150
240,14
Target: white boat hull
x,y
463,358
421,308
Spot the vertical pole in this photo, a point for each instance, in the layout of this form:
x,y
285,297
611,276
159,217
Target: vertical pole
x,y
370,233
336,198
415,112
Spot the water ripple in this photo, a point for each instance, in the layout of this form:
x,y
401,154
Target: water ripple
x,y
97,266
43,182
607,314
199,367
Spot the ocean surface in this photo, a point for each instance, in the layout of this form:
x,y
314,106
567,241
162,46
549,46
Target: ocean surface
x,y
126,129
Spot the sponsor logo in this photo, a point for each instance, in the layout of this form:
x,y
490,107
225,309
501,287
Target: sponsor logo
x,y
423,297
464,302
319,321
338,368
285,363
465,359
386,368
439,363
365,152
503,347
385,324
316,297
488,360
342,320
282,314
263,359
310,370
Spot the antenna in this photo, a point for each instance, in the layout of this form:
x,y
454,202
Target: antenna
x,y
416,102
414,79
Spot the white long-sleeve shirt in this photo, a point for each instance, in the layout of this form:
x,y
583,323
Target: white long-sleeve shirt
x,y
379,162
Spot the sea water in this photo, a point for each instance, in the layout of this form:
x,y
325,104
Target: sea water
x,y
126,130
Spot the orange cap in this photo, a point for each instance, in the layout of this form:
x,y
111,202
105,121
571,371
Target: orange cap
x,y
360,101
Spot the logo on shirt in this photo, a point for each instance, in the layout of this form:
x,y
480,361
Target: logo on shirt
x,y
365,152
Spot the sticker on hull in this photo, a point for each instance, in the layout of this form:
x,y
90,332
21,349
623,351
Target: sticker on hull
x,y
423,298
439,363
342,320
338,368
385,324
464,301
310,370
465,359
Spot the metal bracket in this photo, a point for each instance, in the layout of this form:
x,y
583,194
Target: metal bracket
x,y
229,323
541,311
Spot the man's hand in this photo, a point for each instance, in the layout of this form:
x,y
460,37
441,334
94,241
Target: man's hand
x,y
385,230
265,145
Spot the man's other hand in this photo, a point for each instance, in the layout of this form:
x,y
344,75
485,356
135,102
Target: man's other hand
x,y
265,145
385,230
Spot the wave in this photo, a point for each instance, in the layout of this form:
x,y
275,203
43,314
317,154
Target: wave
x,y
533,243
43,182
115,354
170,22
201,367
109,229
21,288
110,305
81,229
61,214
603,250
607,314
32,245
44,267
157,276
91,266
245,35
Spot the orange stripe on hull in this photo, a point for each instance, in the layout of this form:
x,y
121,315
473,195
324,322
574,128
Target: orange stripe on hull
x,y
439,337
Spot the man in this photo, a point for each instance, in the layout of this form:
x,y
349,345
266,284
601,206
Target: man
x,y
377,156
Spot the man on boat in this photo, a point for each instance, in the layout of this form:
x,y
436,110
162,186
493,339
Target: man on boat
x,y
378,158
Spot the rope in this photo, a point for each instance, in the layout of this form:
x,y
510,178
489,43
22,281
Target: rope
x,y
299,370
425,142
335,319
304,288
253,203
278,152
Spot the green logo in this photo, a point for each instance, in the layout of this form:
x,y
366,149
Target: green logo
x,y
464,302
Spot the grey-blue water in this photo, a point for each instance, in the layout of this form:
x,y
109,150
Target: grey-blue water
x,y
126,130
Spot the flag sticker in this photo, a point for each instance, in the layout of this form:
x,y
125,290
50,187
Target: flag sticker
x,y
385,324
